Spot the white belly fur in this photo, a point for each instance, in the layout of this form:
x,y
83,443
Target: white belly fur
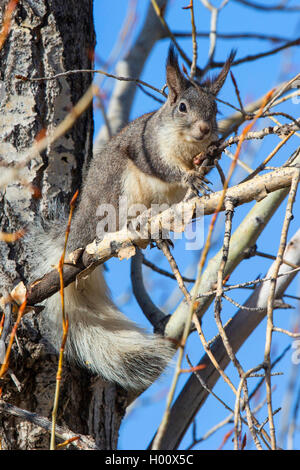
x,y
140,188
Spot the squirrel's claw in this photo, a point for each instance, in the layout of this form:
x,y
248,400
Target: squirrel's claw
x,y
196,184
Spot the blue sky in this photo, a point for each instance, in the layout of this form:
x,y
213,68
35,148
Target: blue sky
x,y
254,79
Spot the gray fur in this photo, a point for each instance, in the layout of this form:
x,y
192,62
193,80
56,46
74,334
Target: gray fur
x,y
149,161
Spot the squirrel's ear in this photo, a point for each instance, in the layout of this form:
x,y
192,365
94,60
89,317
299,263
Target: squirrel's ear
x,y
216,84
176,81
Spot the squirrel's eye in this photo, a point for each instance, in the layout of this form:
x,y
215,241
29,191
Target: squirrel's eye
x,y
182,108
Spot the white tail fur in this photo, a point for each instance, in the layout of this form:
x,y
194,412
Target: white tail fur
x,y
100,337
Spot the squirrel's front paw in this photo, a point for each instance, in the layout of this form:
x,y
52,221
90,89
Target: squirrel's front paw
x,y
196,183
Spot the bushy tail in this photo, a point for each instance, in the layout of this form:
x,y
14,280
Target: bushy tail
x,y
100,337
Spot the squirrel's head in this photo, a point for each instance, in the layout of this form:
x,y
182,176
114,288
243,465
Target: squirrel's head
x,y
193,105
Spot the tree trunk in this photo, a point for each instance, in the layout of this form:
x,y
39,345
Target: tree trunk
x,y
46,38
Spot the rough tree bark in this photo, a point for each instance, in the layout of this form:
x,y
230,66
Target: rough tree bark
x,y
46,37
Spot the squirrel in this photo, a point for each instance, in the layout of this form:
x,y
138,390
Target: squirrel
x,y
149,161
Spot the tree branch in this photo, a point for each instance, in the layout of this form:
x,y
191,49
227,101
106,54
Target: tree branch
x,y
122,243
238,329
266,8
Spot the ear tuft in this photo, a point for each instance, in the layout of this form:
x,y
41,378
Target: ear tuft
x,y
172,59
176,81
216,84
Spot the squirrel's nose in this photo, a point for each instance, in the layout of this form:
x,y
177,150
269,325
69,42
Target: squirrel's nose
x,y
204,128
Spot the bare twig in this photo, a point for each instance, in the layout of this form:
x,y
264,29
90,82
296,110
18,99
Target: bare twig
x,y
280,7
281,130
264,37
194,34
262,166
248,283
155,268
214,12
131,65
65,325
238,329
156,317
5,365
243,383
163,245
230,417
160,15
102,72
271,297
261,55
236,304
286,332
237,92
114,243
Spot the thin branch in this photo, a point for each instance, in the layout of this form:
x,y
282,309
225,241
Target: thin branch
x,y
237,92
163,245
238,329
249,283
104,115
5,365
281,90
102,72
286,332
271,297
156,317
65,324
114,244
214,14
252,57
217,309
236,304
160,15
262,166
192,306
194,40
266,8
266,255
240,162
281,130
131,65
155,268
264,37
